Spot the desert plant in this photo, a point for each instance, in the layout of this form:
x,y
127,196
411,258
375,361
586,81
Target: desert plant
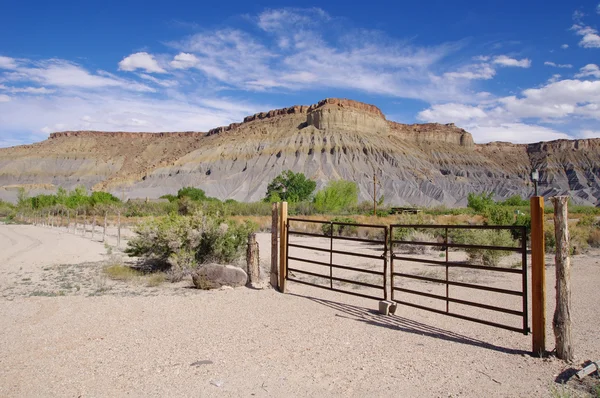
x,y
340,230
183,242
486,237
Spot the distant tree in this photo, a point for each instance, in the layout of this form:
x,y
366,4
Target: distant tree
x,y
336,196
100,197
514,200
78,198
480,202
290,187
195,194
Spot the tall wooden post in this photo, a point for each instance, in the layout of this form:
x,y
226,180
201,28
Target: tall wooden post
x,y
562,315
274,245
283,245
119,229
253,260
84,222
538,276
105,224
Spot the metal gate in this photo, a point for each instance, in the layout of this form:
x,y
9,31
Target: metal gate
x,y
369,245
414,287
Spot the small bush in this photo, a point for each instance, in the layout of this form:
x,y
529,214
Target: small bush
x,y
180,243
594,238
487,237
340,230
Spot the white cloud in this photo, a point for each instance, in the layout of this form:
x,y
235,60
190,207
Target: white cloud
x,y
280,19
61,73
549,63
473,72
556,77
589,70
141,60
29,90
518,133
7,63
451,113
297,53
564,46
4,98
504,60
589,134
184,61
590,37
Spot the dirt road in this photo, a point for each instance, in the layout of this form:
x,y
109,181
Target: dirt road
x,y
175,341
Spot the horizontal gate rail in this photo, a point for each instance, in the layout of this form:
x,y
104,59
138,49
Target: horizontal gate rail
x,y
330,235
366,271
446,245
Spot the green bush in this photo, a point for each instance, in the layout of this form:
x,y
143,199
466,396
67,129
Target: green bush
x,y
484,237
183,242
479,202
514,201
337,196
340,230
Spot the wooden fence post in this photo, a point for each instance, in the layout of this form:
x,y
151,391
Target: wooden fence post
x,y
104,230
538,276
253,260
119,229
93,226
84,222
274,245
562,315
283,245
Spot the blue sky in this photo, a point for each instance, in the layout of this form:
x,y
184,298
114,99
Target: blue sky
x,y
519,71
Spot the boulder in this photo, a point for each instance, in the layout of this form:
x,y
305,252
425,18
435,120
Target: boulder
x,y
214,276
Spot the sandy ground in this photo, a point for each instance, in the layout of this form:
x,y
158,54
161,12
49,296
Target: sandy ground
x,y
69,331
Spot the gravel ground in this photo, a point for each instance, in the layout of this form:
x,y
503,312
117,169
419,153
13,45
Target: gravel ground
x,y
110,338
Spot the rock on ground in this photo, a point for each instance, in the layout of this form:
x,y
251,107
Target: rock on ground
x,y
214,276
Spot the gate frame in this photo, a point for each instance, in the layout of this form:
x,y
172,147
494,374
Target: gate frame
x,y
332,237
523,271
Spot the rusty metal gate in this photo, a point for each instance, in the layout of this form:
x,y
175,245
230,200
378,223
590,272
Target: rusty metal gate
x,y
459,297
342,274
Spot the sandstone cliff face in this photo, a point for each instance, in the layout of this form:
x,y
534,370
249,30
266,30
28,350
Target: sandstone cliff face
x,y
421,164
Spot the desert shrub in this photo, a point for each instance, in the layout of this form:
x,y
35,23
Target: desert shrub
x,y
6,208
420,236
145,209
586,220
499,215
485,237
183,242
340,230
337,196
549,238
578,241
594,238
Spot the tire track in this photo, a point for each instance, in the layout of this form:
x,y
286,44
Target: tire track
x,y
35,243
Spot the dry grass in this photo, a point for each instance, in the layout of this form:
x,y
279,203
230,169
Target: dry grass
x,y
123,273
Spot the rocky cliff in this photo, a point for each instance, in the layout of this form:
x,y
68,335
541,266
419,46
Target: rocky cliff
x,y
422,164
